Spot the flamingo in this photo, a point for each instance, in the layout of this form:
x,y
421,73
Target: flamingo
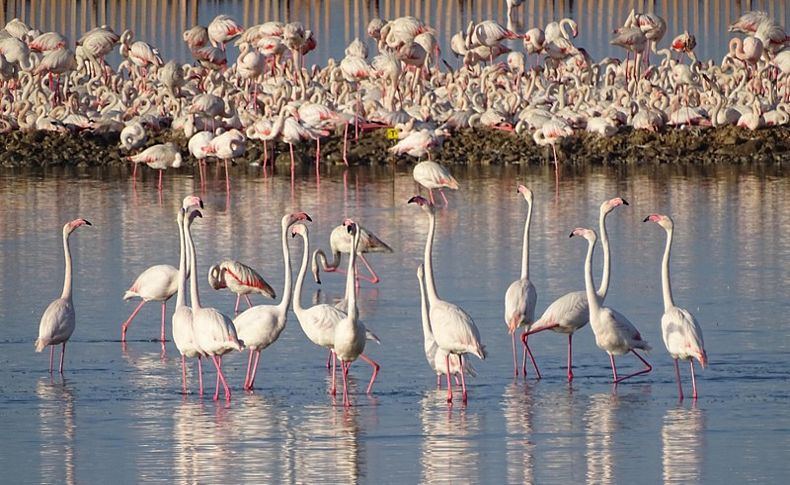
x,y
133,136
340,242
454,330
551,133
156,283
225,146
222,30
55,63
319,321
521,296
748,22
631,39
261,325
613,332
349,339
159,157
183,331
435,355
196,37
432,175
58,321
215,334
198,148
570,312
240,279
681,332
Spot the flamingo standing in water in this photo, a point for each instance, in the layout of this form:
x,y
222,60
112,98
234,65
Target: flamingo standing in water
x,y
159,157
454,330
521,296
214,332
613,332
261,325
349,340
680,330
58,321
431,175
551,133
570,312
239,279
156,283
340,242
183,330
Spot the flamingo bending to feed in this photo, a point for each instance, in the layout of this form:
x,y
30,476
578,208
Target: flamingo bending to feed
x,y
431,175
319,321
214,332
159,157
570,312
551,133
260,326
240,279
349,341
680,330
613,332
183,331
58,321
454,330
521,296
435,355
156,283
340,242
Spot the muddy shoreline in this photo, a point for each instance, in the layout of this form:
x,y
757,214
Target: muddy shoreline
x,y
695,146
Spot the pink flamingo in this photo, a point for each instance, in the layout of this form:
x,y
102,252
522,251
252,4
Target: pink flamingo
x,y
56,63
613,332
681,332
223,29
159,157
198,148
551,133
260,326
196,37
340,242
454,330
226,146
157,283
58,321
239,279
432,175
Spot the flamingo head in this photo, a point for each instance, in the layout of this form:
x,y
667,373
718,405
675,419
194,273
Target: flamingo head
x,y
192,202
351,227
661,220
192,215
71,226
289,219
421,201
587,234
299,229
215,277
609,205
527,193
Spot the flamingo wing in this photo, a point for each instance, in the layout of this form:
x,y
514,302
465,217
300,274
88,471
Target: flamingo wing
x,y
682,335
247,277
520,300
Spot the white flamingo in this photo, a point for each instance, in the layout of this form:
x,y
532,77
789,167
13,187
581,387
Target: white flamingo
x,y
340,243
570,312
349,340
239,279
454,330
431,175
260,326
680,330
521,296
159,157
156,283
58,321
613,332
214,332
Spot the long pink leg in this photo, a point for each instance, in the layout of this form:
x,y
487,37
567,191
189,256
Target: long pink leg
x,y
249,303
227,176
556,168
255,369
333,391
463,382
677,375
524,338
345,366
51,357
449,382
693,381
438,381
62,355
614,369
236,308
570,357
184,373
374,278
444,197
134,172
128,321
216,385
376,368
247,375
647,368
220,377
345,145
160,180
164,311
430,193
200,374
515,362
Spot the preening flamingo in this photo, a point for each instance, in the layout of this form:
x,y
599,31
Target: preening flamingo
x,y
613,332
433,354
454,330
223,29
340,243
183,331
239,279
521,296
214,332
349,341
681,332
431,175
570,312
260,326
58,321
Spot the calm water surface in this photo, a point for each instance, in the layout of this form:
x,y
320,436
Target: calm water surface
x,y
118,412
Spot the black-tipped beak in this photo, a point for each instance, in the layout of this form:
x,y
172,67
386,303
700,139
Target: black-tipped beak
x,y
293,234
625,202
412,200
87,222
201,203
646,219
307,216
571,234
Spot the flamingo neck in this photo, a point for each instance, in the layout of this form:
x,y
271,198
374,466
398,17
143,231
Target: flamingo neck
x,y
665,284
182,264
193,284
351,294
286,297
427,331
430,286
525,244
297,294
594,301
604,288
66,294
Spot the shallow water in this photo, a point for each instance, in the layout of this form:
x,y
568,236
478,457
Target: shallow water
x,y
336,23
118,411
